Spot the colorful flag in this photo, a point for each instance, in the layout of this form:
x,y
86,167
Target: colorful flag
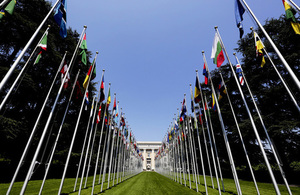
x,y
290,16
102,94
108,98
83,48
239,11
86,80
60,17
99,114
259,50
42,47
183,111
197,95
63,73
9,8
213,105
239,72
217,52
86,98
222,90
205,73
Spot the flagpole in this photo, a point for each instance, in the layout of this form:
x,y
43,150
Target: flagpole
x,y
117,149
251,119
181,153
12,68
267,134
192,154
241,138
215,146
210,141
235,176
294,4
21,72
29,142
100,140
282,80
294,77
3,3
75,131
83,146
43,135
58,135
111,152
199,143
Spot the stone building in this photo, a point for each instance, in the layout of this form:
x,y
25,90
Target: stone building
x,y
148,150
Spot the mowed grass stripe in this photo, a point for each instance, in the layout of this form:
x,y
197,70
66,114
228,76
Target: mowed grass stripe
x,y
146,183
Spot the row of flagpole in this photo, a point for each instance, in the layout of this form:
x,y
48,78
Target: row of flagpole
x,y
119,155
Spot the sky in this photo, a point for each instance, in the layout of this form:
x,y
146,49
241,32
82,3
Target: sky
x,y
150,50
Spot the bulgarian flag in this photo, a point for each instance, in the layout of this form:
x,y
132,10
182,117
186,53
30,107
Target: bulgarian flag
x,y
217,52
86,80
43,47
290,16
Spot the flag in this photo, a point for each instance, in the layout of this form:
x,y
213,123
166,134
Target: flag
x,y
86,80
42,47
99,114
239,11
259,50
290,16
102,94
83,48
213,105
60,17
86,99
239,72
205,73
9,8
200,116
78,91
63,72
94,72
197,95
183,111
222,90
108,99
217,52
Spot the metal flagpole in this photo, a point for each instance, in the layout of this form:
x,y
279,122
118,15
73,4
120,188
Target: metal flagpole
x,y
112,148
92,133
294,4
267,134
215,147
251,119
181,154
12,68
294,77
3,3
199,143
75,130
43,135
21,72
186,152
241,138
120,150
235,176
117,149
58,135
34,128
210,141
282,80
83,146
193,156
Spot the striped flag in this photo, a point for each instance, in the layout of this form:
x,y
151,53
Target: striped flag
x,y
217,52
63,72
86,80
290,16
42,47
197,96
239,72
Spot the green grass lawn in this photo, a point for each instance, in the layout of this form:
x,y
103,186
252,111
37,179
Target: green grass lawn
x,y
146,183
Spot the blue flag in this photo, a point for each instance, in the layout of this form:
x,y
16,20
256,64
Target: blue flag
x,y
239,11
60,17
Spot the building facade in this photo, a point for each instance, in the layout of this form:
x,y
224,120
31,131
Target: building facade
x,y
148,150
